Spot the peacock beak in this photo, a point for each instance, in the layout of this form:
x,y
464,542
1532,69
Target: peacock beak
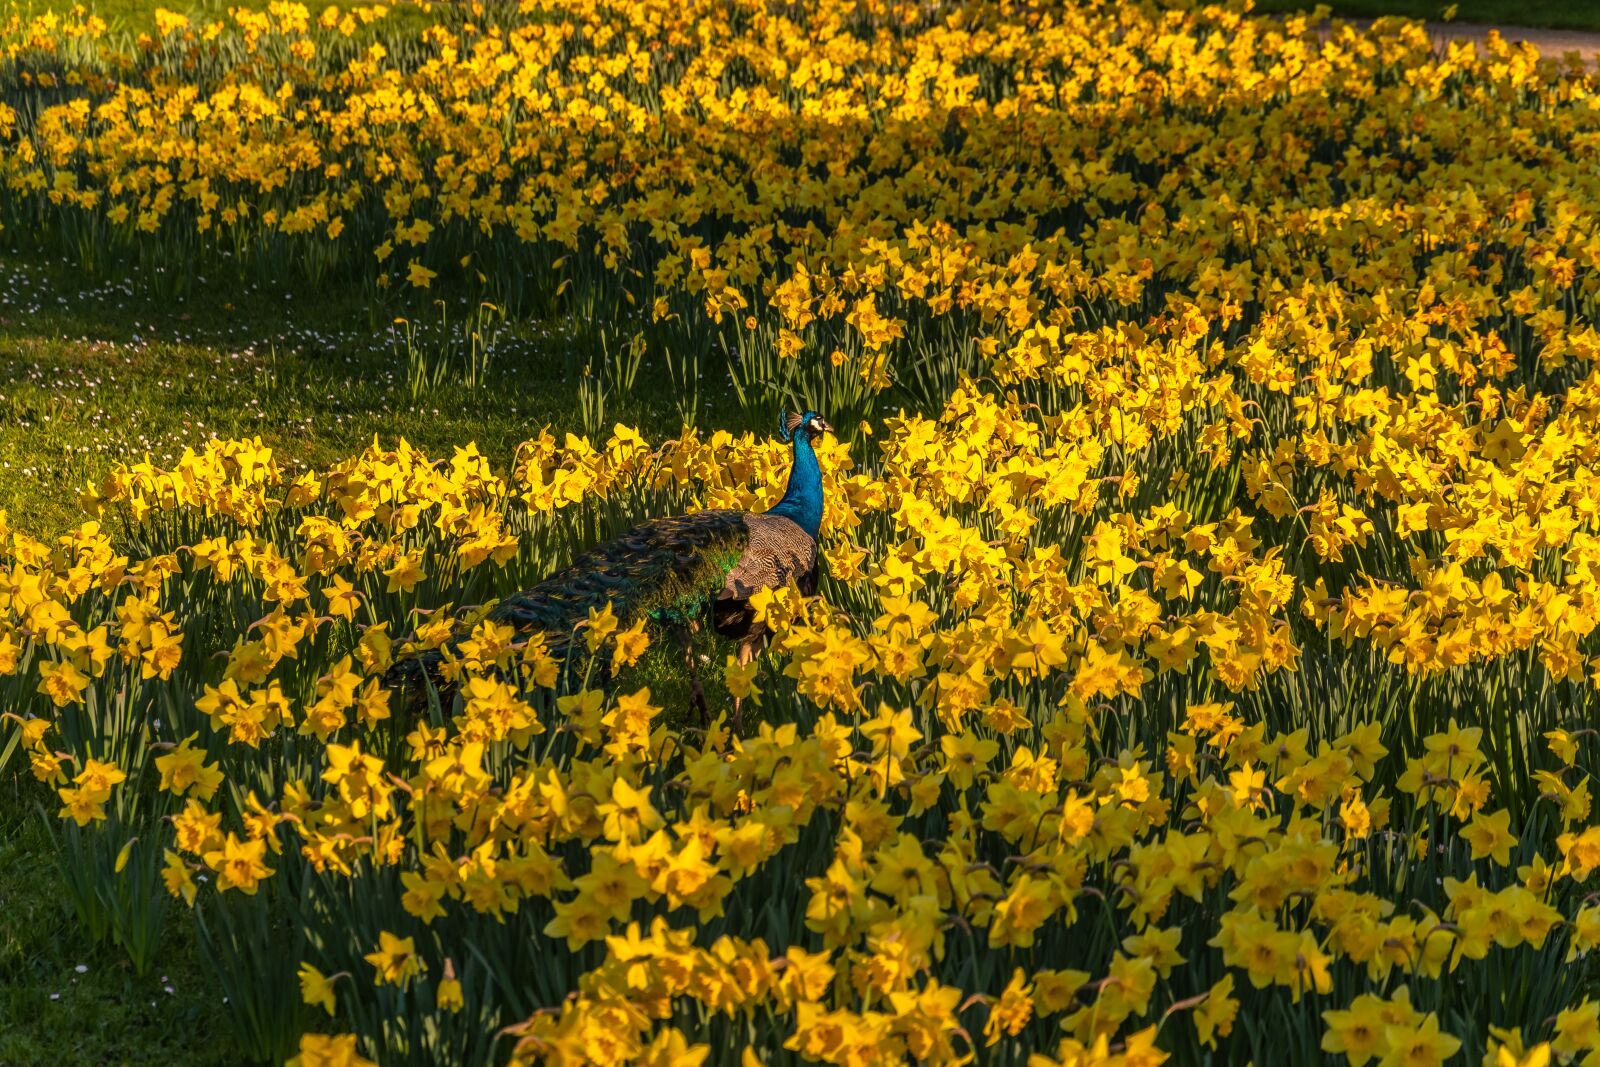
x,y
820,425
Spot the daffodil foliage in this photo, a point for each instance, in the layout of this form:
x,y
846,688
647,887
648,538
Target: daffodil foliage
x,y
1204,665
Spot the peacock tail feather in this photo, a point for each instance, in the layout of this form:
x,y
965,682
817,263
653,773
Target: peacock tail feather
x,y
667,569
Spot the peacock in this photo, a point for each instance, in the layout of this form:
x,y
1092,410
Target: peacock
x,y
681,570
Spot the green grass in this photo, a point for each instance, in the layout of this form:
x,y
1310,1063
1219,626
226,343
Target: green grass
x,y
1545,14
65,1000
93,376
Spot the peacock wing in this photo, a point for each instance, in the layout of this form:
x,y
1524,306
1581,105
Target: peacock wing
x,y
779,552
667,568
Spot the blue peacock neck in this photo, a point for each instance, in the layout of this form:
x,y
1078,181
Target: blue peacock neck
x,y
802,500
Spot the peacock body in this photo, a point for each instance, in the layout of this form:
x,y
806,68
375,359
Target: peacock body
x,y
672,571
683,569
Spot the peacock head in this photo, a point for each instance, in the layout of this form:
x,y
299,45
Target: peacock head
x,y
809,423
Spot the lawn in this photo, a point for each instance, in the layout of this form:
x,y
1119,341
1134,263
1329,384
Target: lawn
x,y
65,999
94,373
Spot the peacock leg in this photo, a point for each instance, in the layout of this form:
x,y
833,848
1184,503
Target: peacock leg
x,y
697,692
747,652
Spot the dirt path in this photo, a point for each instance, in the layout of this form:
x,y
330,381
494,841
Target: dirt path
x,y
1552,44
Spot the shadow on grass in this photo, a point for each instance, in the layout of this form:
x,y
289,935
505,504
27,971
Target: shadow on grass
x,y
92,377
65,1000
